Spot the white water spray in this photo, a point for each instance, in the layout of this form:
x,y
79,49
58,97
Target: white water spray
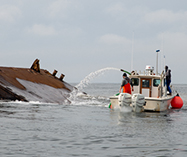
x,y
85,82
92,75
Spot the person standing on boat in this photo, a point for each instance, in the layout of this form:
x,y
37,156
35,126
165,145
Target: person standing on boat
x,y
168,79
126,84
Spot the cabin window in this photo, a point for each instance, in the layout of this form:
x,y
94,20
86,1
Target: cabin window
x,y
135,81
145,83
156,82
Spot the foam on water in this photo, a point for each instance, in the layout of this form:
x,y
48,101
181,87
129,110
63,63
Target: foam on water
x,y
27,103
89,100
125,109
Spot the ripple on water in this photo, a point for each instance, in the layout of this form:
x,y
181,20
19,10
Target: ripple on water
x,y
32,129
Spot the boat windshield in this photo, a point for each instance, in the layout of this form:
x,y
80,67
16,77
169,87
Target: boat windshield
x,y
156,82
135,81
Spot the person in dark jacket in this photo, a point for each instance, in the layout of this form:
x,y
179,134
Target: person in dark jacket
x,y
168,79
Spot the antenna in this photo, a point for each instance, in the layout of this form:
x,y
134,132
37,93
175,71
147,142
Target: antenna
x,y
162,66
157,51
132,51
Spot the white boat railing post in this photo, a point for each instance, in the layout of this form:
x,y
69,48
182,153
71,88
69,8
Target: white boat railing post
x,y
160,94
165,83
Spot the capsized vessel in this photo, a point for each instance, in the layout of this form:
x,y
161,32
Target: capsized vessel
x,y
33,84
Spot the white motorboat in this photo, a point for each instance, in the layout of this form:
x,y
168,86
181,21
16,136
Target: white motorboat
x,y
150,93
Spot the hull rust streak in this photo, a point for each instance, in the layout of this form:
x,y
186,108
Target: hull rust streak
x,y
11,84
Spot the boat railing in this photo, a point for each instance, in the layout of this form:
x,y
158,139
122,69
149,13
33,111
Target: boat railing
x,y
144,73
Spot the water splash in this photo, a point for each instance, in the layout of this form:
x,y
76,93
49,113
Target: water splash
x,y
86,81
92,75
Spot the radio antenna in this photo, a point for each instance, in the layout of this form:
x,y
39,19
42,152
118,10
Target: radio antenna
x,y
132,51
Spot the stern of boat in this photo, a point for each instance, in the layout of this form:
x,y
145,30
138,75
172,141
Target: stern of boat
x,y
158,104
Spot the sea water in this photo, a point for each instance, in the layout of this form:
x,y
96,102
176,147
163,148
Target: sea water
x,y
87,127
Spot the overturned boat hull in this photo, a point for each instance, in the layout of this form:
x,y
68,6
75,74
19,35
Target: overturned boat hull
x,y
32,84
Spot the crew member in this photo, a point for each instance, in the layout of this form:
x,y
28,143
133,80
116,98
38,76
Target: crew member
x,y
168,79
126,84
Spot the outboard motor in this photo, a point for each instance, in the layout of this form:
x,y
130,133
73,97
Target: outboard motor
x,y
124,99
138,101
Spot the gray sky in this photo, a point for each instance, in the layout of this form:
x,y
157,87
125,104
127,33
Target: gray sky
x,y
77,37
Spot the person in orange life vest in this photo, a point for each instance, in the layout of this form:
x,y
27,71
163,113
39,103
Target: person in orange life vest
x,y
126,84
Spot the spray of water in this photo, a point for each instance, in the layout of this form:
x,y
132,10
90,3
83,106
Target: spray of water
x,y
92,75
86,81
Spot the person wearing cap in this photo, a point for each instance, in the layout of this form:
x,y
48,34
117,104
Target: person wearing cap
x,y
126,84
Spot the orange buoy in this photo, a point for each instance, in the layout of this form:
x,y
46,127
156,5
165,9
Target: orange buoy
x,y
177,102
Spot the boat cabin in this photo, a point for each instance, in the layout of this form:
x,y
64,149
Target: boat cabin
x,y
146,83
